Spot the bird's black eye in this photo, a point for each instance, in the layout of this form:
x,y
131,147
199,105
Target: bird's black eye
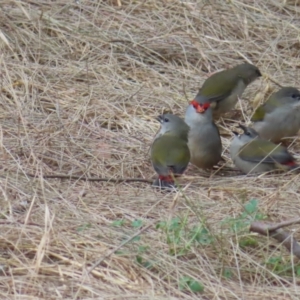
x,y
248,133
166,120
296,96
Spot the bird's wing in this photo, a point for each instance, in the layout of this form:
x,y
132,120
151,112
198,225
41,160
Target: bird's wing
x,y
263,150
170,152
218,87
264,109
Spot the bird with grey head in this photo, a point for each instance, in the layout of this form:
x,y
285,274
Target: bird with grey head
x,y
170,154
204,138
251,154
279,116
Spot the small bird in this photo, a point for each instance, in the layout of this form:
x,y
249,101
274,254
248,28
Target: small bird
x,y
279,116
204,138
170,154
224,88
251,154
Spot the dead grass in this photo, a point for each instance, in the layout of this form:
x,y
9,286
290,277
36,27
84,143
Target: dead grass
x,y
81,83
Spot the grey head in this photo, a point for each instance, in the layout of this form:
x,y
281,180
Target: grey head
x,y
288,91
248,134
247,72
240,140
198,112
173,125
286,95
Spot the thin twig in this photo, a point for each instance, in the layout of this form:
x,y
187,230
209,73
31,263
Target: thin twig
x,y
276,232
98,179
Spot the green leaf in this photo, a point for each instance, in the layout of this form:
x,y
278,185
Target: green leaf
x,y
161,225
143,249
298,271
137,223
274,260
188,283
239,225
248,242
201,235
118,223
276,263
260,216
139,259
136,239
251,206
227,273
196,286
175,224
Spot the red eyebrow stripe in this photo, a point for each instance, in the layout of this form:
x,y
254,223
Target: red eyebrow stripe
x,y
205,105
194,103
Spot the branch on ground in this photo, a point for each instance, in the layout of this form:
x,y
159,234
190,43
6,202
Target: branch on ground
x,y
276,232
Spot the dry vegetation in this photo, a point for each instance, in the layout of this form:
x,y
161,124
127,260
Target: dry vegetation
x,y
80,84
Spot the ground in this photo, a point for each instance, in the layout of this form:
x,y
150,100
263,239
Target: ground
x,y
81,84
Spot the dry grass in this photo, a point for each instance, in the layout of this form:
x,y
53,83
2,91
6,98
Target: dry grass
x,y
81,83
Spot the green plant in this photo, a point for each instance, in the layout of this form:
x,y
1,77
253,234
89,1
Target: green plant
x,y
188,283
180,236
279,266
242,222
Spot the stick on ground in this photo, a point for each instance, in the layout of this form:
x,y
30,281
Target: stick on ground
x,y
276,232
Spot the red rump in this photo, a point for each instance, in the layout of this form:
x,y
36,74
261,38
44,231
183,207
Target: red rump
x,y
290,163
167,178
200,108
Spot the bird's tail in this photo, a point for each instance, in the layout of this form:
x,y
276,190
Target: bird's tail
x,y
165,183
291,166
295,168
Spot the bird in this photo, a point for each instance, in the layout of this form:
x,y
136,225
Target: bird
x,y
224,88
204,138
279,116
251,154
170,154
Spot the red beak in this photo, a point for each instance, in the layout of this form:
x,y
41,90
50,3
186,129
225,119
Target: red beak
x,y
200,108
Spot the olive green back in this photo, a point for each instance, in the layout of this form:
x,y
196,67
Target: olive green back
x,y
263,150
169,151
